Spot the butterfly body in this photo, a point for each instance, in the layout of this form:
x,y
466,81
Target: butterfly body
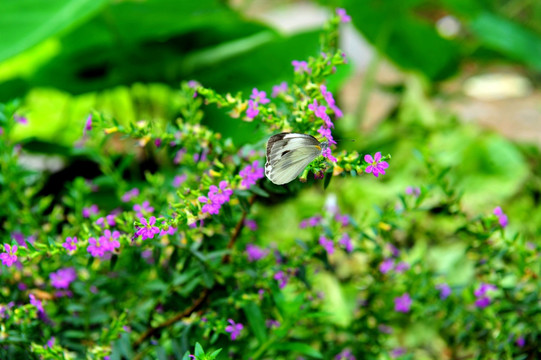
x,y
288,154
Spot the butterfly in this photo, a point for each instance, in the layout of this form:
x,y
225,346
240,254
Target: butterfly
x,y
288,154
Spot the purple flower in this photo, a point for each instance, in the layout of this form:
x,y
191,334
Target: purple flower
x,y
148,230
169,231
345,354
19,238
415,191
444,289
211,205
327,154
252,110
394,250
9,257
95,247
88,125
520,341
386,265
234,329
270,323
144,207
502,218
50,343
327,244
130,194
220,194
483,289
401,267
344,17
250,174
179,179
402,303
282,279
377,167
109,240
260,97
109,219
300,66
92,210
36,302
345,241
179,156
194,85
311,221
69,244
482,302
396,352
63,278
330,101
255,253
326,133
20,119
278,89
319,110
250,224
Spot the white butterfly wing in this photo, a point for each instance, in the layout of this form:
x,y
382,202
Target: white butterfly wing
x,y
288,154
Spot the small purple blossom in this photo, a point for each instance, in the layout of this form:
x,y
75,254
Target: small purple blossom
x,y
319,110
250,174
402,303
70,243
250,224
386,265
344,17
401,267
50,343
252,110
279,89
36,302
88,125
260,97
63,278
169,231
95,247
92,210
282,279
220,194
330,101
270,323
234,329
20,119
300,66
502,218
345,354
179,179
343,219
327,244
130,194
345,241
396,352
482,300
255,253
377,167
19,238
143,208
415,191
179,156
326,153
445,290
9,257
520,341
109,240
109,220
311,221
148,230
326,133
210,205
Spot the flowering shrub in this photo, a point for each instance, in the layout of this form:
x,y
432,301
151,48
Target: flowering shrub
x,y
170,262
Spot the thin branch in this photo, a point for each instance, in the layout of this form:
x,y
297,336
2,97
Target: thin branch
x,y
204,294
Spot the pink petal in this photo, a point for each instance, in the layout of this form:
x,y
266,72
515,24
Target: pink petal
x,y
377,157
383,165
368,158
369,169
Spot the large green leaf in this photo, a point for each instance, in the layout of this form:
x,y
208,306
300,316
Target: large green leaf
x,y
24,23
508,38
411,42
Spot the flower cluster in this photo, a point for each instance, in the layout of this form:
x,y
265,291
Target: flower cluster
x,y
257,97
63,278
402,303
481,293
216,197
250,174
106,243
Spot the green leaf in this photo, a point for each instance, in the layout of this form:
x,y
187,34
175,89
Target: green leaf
x,y
215,354
301,348
199,350
25,23
509,38
256,321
